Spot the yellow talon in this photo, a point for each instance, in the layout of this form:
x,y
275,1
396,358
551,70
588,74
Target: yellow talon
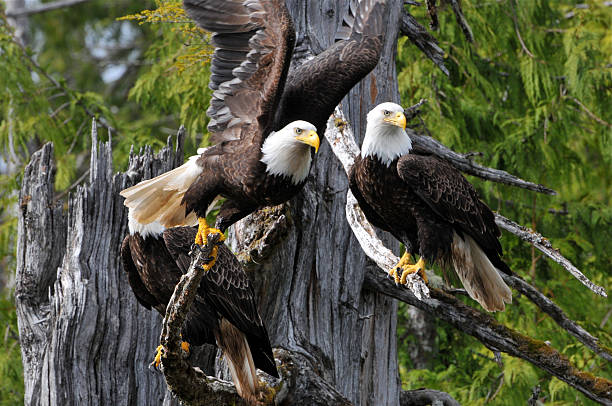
x,y
158,355
204,230
405,260
408,268
185,346
160,350
208,266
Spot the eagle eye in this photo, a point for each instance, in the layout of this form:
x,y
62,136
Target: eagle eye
x,y
386,112
298,131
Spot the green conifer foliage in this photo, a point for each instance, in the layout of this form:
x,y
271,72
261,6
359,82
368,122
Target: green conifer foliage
x,y
533,95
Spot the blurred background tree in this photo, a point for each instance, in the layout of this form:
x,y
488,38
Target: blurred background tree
x,y
531,95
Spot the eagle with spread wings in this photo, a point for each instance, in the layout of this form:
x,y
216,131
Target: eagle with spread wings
x,y
263,116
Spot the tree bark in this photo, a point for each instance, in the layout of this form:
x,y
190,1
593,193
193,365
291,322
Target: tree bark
x,y
84,337
310,284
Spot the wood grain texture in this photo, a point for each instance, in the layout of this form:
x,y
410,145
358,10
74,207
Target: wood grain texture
x,y
311,281
84,337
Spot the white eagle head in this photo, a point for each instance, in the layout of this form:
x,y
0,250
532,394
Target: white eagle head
x,y
287,152
386,136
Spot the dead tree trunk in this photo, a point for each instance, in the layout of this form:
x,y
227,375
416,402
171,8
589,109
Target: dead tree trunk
x,y
84,338
310,281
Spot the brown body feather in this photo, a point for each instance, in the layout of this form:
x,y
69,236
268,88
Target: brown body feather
x,y
429,206
255,94
225,302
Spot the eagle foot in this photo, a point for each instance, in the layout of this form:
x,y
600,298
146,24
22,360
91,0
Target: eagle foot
x,y
160,350
404,260
407,268
210,261
158,354
204,230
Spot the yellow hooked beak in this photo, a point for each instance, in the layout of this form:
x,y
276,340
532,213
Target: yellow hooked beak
x,y
399,120
310,138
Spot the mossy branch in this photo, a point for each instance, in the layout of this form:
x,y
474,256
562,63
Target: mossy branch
x,y
497,337
340,137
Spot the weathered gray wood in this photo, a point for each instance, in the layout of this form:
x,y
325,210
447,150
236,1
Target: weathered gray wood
x,y
84,338
310,283
498,337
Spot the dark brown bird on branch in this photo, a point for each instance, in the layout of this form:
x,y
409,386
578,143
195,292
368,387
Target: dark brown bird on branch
x,y
224,312
429,206
262,115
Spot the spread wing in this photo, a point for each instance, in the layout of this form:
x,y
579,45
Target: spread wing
x,y
452,197
316,87
253,42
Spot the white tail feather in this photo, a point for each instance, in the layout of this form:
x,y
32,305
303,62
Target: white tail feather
x,y
237,353
158,200
478,275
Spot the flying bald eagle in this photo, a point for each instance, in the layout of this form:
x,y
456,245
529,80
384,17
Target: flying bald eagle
x,y
224,311
429,206
263,118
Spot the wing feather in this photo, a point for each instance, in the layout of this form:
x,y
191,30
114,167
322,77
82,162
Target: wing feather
x,y
253,42
141,292
452,197
317,86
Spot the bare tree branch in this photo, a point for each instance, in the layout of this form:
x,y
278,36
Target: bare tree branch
x,y
465,27
590,113
468,166
497,337
42,8
425,397
543,244
419,36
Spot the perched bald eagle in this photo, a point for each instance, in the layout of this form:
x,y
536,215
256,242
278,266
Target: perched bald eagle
x,y
224,311
263,117
429,206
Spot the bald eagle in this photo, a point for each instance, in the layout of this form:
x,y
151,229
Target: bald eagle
x,y
224,311
263,117
429,206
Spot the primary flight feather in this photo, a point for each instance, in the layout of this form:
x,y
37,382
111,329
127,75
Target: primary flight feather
x,y
263,116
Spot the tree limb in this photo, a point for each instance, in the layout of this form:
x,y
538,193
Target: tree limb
x,y
42,8
497,337
465,27
468,166
425,397
419,36
543,244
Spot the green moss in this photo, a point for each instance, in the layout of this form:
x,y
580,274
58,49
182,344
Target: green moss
x,y
600,386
